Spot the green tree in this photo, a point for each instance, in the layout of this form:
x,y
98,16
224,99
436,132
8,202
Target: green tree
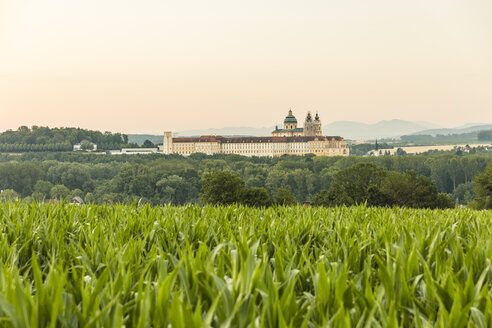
x,y
464,193
76,193
172,189
148,144
43,187
414,190
87,146
351,186
367,183
9,195
19,176
323,198
38,197
89,198
400,152
284,197
221,187
59,192
484,189
135,180
255,197
485,135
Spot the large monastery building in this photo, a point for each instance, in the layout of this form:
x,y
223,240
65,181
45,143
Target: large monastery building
x,y
291,140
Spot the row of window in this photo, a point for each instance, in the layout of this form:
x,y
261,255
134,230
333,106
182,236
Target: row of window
x,y
250,148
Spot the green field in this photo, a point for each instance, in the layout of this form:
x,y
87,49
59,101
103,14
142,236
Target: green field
x,y
192,266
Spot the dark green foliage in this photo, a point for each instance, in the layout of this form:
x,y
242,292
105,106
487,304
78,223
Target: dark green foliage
x,y
59,192
163,179
423,139
224,187
9,195
71,175
221,187
19,176
363,149
401,152
255,196
284,197
134,180
485,135
412,190
375,186
43,187
464,193
39,139
484,189
148,144
323,198
352,185
416,138
87,146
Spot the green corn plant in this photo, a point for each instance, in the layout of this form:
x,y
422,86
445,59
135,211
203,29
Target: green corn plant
x,y
233,266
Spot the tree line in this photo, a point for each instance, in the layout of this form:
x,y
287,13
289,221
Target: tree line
x,y
40,139
162,179
485,135
363,183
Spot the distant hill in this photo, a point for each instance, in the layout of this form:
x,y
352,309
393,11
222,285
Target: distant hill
x,y
467,125
467,128
139,139
347,129
229,131
381,129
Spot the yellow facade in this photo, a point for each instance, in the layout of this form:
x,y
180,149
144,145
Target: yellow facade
x,y
261,146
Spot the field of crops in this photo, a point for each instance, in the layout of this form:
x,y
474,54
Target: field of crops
x,y
135,266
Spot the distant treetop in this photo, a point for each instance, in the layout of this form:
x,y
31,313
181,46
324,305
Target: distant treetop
x,y
39,138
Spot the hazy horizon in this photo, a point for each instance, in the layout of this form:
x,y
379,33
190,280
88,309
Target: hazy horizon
x,y
431,126
146,67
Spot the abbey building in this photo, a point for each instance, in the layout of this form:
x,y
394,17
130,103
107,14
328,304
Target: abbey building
x,y
291,140
312,127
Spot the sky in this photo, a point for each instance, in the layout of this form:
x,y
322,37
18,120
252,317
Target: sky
x,y
148,66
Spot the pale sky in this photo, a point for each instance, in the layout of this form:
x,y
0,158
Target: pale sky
x,y
147,66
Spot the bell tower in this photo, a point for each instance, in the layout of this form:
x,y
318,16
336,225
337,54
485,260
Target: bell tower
x,y
167,144
309,126
317,125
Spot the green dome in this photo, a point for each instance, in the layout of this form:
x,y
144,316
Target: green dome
x,y
290,118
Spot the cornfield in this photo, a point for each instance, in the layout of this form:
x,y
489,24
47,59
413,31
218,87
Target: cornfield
x,y
203,266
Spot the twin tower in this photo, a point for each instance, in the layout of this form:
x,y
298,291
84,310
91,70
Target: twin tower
x,y
311,128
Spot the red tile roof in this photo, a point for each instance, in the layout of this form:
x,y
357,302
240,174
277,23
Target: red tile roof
x,y
220,139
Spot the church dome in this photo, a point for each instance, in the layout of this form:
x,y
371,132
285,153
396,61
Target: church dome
x,y
290,118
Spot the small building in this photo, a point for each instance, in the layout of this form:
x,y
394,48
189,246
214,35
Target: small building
x,y
134,151
76,200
